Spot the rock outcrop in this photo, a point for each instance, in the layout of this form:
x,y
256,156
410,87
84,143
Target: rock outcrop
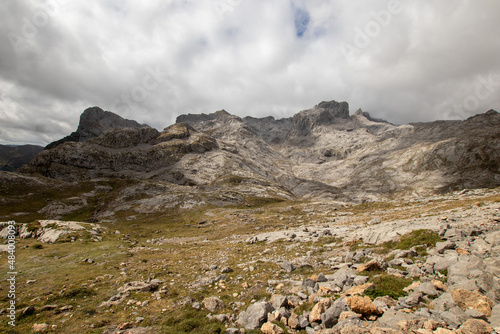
x,y
94,122
322,152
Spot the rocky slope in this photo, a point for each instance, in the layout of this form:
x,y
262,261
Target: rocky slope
x,y
322,152
93,122
429,266
367,158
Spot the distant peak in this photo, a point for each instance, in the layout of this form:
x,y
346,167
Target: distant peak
x,y
93,122
367,115
491,112
324,113
222,113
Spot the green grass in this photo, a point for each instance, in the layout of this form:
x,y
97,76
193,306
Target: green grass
x,y
189,320
418,237
412,239
306,307
355,245
63,279
388,285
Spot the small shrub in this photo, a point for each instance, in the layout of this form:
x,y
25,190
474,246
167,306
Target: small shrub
x,y
388,285
409,240
73,293
418,237
37,246
191,321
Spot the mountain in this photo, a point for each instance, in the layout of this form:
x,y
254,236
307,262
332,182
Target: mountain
x,y
322,152
12,156
93,122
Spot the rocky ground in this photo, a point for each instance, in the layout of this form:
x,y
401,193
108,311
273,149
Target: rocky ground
x,y
430,265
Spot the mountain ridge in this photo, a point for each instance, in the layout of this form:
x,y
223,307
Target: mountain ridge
x,y
93,122
321,152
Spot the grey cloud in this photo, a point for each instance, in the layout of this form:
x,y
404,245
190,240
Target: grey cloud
x,y
430,61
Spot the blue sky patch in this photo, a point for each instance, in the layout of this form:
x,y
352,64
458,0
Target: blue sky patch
x,y
301,19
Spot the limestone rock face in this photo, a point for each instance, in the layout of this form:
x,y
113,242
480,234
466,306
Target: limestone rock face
x,y
362,305
140,152
93,122
322,152
466,299
324,113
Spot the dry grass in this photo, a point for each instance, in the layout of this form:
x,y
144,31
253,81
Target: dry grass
x,y
192,241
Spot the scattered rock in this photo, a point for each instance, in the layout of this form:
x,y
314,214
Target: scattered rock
x,y
442,246
467,299
475,326
371,265
270,328
319,309
287,266
278,301
255,315
359,290
40,328
363,305
332,315
213,304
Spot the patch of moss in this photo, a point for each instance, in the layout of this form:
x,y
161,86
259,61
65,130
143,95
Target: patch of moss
x,y
388,285
306,307
79,292
419,237
409,240
355,245
191,321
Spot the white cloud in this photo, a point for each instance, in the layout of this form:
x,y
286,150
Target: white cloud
x,y
424,62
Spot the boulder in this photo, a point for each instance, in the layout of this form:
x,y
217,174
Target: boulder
x,y
369,266
319,309
475,326
495,316
213,304
359,289
40,328
391,318
442,246
270,328
278,301
493,238
332,314
255,315
287,266
466,299
363,305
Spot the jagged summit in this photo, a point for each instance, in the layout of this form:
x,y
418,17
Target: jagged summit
x,y
324,113
93,122
367,115
319,152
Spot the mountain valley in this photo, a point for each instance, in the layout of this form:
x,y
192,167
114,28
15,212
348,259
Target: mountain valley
x,y
324,222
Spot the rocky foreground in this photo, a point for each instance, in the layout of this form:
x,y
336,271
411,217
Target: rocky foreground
x,y
455,290
437,272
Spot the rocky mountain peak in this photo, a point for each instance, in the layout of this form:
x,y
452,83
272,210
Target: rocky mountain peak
x,y
93,122
367,115
324,113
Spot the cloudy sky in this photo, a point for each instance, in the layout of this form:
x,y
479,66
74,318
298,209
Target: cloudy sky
x,y
152,60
